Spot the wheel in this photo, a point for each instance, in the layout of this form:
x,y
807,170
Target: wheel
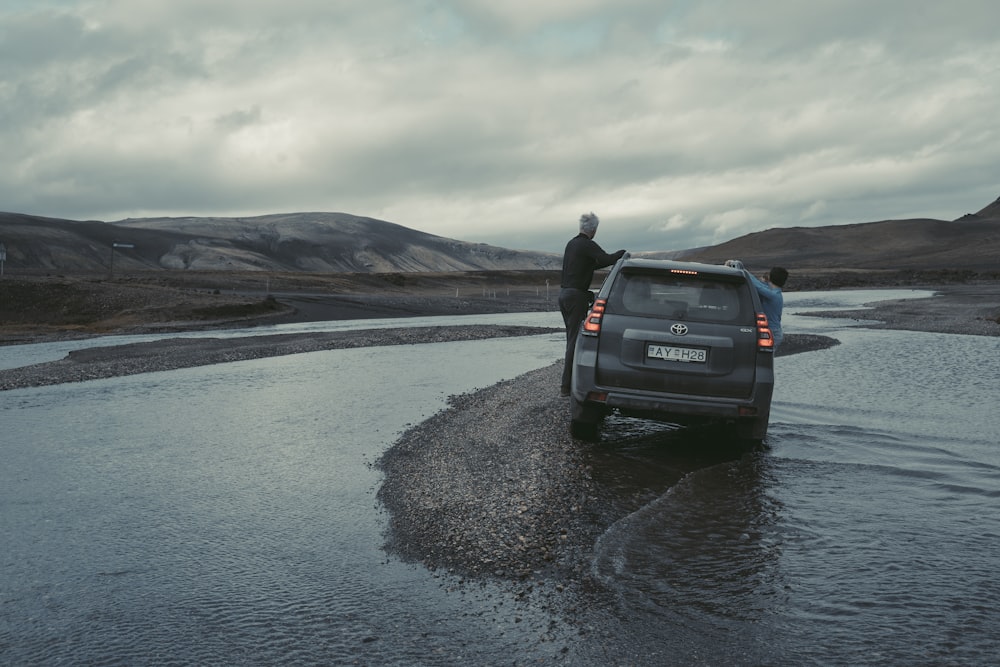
x,y
583,430
752,430
584,420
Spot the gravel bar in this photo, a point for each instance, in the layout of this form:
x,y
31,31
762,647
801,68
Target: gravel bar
x,y
494,486
172,353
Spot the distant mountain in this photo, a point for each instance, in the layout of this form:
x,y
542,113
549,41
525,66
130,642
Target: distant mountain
x,y
339,242
991,212
312,242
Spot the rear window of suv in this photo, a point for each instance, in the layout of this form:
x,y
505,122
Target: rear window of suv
x,y
698,297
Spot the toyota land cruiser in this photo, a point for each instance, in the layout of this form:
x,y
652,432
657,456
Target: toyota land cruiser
x,y
678,342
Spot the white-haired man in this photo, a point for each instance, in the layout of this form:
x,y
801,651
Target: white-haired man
x,y
582,257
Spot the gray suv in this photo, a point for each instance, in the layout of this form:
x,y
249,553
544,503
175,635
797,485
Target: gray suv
x,y
677,342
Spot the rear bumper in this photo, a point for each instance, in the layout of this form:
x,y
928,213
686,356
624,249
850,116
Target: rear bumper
x,y
679,408
673,408
669,407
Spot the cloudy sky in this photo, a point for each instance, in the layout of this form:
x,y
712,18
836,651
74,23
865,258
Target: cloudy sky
x,y
681,123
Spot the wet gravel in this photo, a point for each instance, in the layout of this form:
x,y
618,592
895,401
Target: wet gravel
x,y
972,309
173,353
495,486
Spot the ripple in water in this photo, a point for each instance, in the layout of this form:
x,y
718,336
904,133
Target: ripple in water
x,y
865,534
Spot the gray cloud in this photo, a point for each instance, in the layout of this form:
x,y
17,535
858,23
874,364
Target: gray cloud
x,y
681,124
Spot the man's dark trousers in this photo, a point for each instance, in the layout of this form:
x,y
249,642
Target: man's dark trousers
x,y
573,303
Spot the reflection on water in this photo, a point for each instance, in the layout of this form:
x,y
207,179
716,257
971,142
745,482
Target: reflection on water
x,y
227,515
864,534
721,507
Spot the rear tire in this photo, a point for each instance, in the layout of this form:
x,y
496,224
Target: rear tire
x,y
752,431
585,420
583,431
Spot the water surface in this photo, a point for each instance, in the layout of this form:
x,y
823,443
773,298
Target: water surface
x,y
865,533
227,515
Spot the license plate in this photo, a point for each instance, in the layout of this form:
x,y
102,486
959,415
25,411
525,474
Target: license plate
x,y
672,353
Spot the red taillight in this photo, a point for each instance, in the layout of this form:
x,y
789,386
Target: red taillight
x,y
592,324
765,341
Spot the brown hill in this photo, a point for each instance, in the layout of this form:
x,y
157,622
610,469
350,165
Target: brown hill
x,y
991,212
918,244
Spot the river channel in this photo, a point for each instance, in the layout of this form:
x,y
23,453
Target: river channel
x,y
227,515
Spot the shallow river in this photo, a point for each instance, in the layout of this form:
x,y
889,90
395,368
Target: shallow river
x,y
227,515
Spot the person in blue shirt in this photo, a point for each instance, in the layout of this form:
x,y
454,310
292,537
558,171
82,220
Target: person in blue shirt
x,y
772,301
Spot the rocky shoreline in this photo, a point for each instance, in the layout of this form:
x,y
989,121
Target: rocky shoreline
x,y
493,486
173,353
971,309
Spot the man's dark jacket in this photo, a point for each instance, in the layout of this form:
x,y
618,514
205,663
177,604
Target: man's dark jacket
x,y
581,258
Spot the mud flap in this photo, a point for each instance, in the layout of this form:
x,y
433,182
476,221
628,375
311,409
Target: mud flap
x,y
752,430
584,420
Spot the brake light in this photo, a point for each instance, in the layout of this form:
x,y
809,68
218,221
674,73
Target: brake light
x,y
592,324
686,272
765,339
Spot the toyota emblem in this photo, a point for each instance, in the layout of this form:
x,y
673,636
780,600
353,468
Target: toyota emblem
x,y
678,329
